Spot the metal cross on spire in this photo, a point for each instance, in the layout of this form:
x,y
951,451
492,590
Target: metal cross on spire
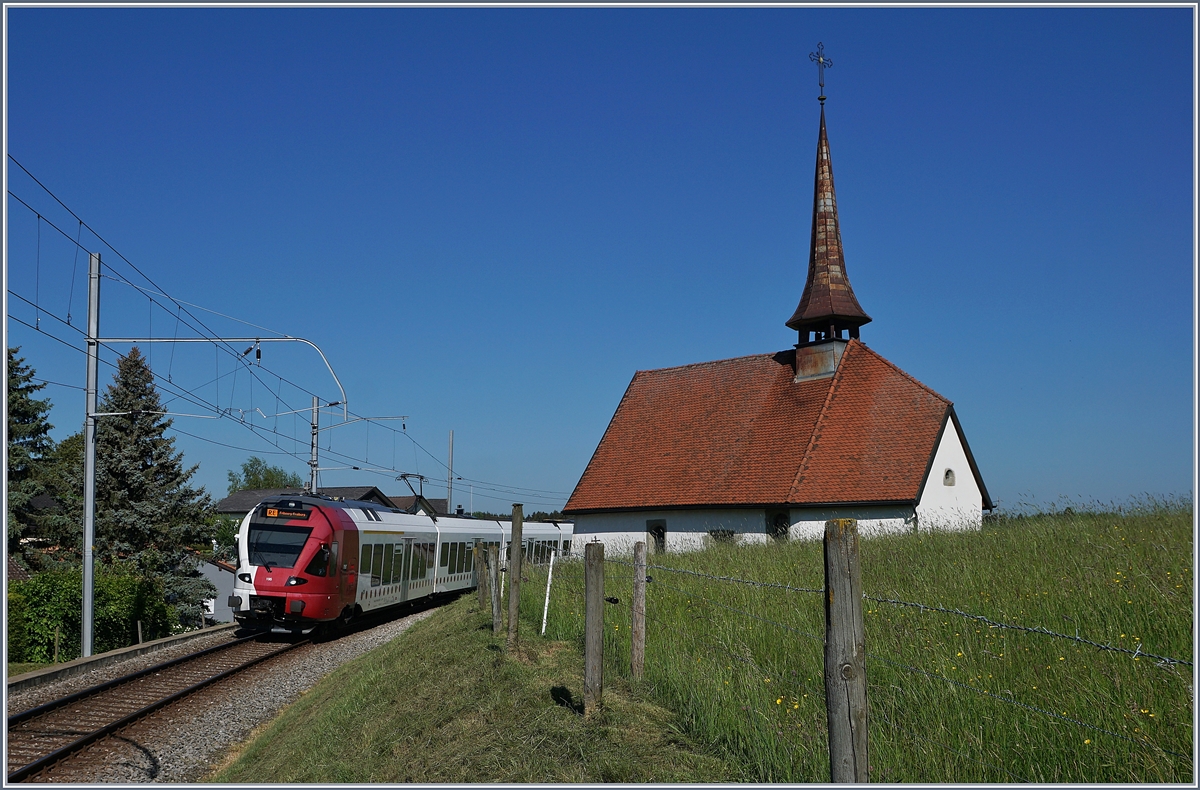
x,y
822,62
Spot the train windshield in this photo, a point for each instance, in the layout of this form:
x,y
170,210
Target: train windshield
x,y
276,546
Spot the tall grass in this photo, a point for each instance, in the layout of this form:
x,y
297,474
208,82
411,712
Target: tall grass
x,y
951,699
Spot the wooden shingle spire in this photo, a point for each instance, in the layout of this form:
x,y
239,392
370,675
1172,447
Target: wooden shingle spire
x,y
827,306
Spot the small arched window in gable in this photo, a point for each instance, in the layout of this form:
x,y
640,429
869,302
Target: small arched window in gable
x,y
948,477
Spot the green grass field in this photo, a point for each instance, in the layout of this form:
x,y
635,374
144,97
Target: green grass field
x,y
951,699
443,703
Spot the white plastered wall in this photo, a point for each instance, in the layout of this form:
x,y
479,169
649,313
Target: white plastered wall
x,y
809,523
958,506
686,530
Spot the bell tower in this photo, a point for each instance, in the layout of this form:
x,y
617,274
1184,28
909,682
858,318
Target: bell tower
x,y
828,311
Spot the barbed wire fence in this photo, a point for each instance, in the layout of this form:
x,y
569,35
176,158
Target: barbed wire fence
x,y
656,579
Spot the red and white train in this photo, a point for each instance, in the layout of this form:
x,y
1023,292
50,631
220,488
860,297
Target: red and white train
x,y
305,561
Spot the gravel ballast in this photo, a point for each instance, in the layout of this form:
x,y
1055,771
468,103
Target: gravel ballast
x,y
182,742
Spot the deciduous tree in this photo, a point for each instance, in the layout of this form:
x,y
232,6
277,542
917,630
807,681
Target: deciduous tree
x,y
257,473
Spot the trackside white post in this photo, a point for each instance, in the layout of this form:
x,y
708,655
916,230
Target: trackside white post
x,y
549,577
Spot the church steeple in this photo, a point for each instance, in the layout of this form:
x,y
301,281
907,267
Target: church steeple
x,y
828,306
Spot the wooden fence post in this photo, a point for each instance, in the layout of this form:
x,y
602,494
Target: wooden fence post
x,y
56,628
593,628
515,551
637,647
494,586
139,632
480,577
845,654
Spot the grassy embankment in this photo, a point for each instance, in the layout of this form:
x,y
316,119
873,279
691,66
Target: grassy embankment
x,y
21,668
443,703
951,699
945,692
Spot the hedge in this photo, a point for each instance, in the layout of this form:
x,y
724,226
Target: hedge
x,y
55,599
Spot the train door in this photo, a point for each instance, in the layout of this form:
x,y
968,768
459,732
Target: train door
x,y
348,568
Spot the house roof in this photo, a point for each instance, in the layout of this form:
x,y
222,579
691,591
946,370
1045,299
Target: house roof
x,y
240,502
742,432
828,298
406,502
15,571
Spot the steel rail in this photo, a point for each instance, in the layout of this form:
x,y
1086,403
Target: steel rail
x,y
39,765
54,704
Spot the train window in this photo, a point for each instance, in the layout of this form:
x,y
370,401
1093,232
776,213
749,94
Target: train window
x,y
403,558
566,547
364,566
333,559
276,546
453,564
319,565
462,557
377,565
387,564
445,555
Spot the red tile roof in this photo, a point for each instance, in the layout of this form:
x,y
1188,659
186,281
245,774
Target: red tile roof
x,y
876,435
743,432
15,571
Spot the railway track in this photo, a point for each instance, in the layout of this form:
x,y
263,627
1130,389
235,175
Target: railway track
x,y
49,734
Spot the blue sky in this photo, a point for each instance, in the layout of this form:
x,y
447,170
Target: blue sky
x,y
488,219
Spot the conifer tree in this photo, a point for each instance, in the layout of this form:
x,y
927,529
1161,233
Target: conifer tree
x,y
28,442
147,514
61,524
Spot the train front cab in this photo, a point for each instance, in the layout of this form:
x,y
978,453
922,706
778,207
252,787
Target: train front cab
x,y
297,567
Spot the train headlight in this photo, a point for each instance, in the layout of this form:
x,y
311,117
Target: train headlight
x,y
294,580
244,577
